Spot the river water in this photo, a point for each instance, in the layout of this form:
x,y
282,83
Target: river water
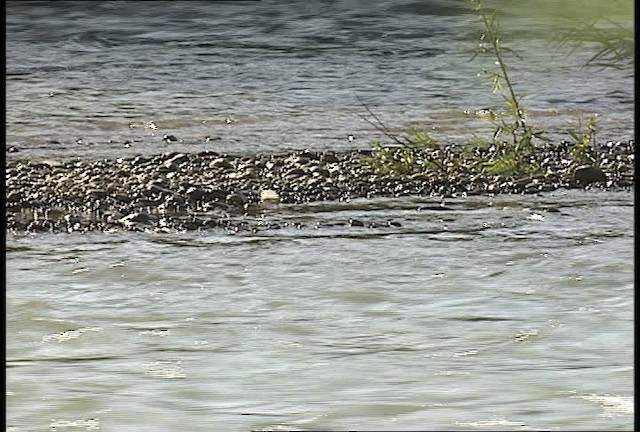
x,y
83,79
487,313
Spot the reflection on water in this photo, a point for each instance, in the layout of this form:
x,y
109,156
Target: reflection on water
x,y
498,322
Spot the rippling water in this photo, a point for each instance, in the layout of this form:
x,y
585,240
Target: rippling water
x,y
494,313
289,73
485,313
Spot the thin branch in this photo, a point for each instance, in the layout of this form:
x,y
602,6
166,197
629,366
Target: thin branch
x,y
380,127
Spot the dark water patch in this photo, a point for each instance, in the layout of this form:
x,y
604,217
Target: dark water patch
x,y
13,363
481,319
18,248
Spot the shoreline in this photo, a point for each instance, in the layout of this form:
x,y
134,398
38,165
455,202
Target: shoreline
x,y
182,191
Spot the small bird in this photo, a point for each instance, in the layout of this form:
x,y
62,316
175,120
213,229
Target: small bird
x,y
229,120
351,138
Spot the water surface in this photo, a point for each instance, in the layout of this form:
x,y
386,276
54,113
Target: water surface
x,y
476,317
113,79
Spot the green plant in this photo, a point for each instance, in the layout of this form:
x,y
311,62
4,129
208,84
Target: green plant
x,y
407,157
617,46
585,141
415,151
606,25
514,156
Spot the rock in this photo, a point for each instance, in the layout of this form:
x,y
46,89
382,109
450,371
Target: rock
x,y
356,223
194,194
329,158
139,160
295,172
15,196
177,159
237,199
587,174
134,218
97,193
220,163
269,195
169,138
215,195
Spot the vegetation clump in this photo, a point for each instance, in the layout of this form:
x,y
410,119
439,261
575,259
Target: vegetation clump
x,y
515,149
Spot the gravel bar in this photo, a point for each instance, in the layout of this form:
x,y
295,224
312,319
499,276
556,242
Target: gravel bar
x,y
181,191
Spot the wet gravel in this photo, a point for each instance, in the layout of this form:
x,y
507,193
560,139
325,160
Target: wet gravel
x,y
179,191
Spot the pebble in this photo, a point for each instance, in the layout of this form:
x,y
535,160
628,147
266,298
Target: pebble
x,y
169,138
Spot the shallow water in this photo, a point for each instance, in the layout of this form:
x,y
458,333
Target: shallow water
x,y
476,317
487,313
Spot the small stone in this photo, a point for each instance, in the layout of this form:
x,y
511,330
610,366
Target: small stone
x,y
139,160
178,158
356,223
215,195
294,172
535,217
329,158
237,199
97,193
169,138
220,163
269,195
194,193
134,218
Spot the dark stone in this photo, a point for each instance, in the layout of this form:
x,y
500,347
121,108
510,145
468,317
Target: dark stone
x,y
139,160
237,199
294,172
137,218
356,223
195,194
329,158
220,163
97,193
587,174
